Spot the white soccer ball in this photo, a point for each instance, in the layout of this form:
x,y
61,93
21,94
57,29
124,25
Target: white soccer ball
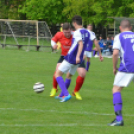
x,y
38,87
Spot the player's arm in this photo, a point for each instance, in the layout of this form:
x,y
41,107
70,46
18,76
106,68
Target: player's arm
x,y
93,38
116,47
54,45
98,48
115,60
78,38
54,40
80,48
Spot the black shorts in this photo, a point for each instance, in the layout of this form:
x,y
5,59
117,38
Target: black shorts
x,y
61,59
82,65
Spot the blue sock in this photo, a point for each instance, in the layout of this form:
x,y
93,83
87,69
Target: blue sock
x,y
117,102
88,64
62,86
67,83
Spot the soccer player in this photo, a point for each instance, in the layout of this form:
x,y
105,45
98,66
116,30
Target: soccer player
x,y
74,57
88,52
65,39
123,43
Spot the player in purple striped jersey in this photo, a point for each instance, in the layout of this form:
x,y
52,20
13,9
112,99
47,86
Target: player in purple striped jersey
x,y
123,44
74,57
88,51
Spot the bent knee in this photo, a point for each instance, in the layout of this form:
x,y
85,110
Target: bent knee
x,y
81,72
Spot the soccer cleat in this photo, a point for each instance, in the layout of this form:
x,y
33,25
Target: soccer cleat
x,y
53,92
77,95
58,97
66,98
116,123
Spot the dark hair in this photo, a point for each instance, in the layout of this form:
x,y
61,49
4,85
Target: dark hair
x,y
66,26
77,19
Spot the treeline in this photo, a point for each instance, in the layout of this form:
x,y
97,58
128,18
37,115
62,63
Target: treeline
x,y
57,11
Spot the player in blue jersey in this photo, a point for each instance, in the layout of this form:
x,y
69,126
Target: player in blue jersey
x,y
123,43
74,57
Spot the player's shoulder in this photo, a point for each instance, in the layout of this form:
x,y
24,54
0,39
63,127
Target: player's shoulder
x,y
59,33
91,32
77,32
117,36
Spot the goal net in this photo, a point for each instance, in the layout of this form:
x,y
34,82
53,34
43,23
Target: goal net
x,y
25,34
117,22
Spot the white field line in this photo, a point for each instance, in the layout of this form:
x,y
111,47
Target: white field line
x,y
63,112
50,125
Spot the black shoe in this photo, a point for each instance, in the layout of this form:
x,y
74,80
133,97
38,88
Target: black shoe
x,y
116,123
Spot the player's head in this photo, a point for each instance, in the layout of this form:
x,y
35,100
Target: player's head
x,y
100,37
125,25
61,24
108,37
112,37
90,27
76,21
67,30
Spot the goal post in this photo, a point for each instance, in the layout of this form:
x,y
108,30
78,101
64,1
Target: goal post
x,y
27,33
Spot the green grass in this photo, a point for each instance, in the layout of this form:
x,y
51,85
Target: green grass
x,y
24,112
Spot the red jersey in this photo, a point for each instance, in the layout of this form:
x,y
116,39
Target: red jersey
x,y
65,42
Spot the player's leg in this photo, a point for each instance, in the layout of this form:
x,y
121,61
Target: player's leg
x,y
121,80
88,55
88,63
64,68
79,80
94,51
55,84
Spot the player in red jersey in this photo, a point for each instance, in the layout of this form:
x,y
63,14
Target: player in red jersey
x,y
65,39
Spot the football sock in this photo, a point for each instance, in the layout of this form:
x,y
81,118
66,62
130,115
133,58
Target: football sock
x,y
79,83
117,102
94,52
62,86
87,67
67,83
55,84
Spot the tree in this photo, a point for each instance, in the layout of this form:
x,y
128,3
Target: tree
x,y
9,9
48,10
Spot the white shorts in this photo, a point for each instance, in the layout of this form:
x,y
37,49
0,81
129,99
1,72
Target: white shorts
x,y
88,54
123,79
67,67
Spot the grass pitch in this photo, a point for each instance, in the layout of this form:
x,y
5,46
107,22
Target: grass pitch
x,y
24,112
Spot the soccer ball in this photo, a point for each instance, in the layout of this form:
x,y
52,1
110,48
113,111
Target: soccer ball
x,y
38,87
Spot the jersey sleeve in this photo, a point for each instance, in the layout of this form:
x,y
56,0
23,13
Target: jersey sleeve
x,y
56,37
117,43
77,36
92,35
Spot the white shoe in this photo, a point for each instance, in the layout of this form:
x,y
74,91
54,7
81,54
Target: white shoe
x,y
96,56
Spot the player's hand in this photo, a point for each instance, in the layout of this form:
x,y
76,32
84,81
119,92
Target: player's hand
x,y
115,70
101,58
55,47
77,60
